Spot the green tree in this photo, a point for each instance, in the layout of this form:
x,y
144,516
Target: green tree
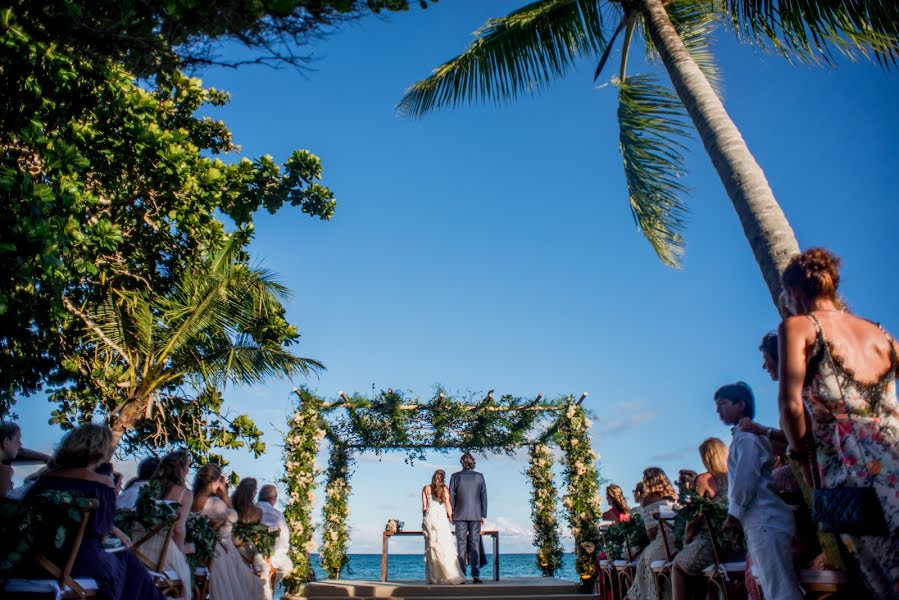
x,y
539,43
153,365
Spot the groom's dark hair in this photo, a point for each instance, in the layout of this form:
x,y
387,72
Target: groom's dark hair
x,y
467,461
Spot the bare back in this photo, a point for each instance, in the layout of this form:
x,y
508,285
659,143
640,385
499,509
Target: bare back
x,y
860,345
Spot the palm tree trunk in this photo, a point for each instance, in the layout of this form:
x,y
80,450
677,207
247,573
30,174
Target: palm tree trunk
x,y
766,228
125,420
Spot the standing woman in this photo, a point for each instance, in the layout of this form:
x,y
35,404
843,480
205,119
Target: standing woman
x,y
441,555
229,576
170,475
247,512
843,370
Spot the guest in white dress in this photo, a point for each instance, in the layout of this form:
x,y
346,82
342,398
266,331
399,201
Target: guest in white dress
x,y
271,516
171,474
229,576
658,496
247,512
128,498
441,554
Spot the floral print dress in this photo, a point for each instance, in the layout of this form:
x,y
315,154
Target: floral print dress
x,y
856,430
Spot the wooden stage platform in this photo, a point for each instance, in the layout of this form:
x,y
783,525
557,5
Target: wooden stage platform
x,y
517,588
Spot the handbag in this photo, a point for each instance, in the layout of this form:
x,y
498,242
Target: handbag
x,y
854,510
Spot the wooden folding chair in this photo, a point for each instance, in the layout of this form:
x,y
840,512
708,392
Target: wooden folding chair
x,y
825,584
625,569
62,584
723,578
167,581
662,568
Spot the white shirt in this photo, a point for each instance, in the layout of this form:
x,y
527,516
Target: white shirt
x,y
752,496
127,500
272,517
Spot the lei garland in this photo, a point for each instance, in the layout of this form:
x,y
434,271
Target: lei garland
x,y
301,445
582,493
544,498
335,511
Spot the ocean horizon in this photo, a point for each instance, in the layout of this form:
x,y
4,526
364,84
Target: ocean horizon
x,y
412,567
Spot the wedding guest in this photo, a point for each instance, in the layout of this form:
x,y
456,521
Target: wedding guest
x,y
171,475
145,469
248,512
10,443
271,516
698,553
658,497
685,480
753,503
119,575
619,511
229,576
842,369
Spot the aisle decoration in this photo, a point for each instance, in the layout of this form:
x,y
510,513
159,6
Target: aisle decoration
x,y
335,535
204,537
544,499
259,538
301,444
582,493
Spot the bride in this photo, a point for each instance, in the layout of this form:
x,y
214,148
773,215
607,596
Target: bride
x,y
441,557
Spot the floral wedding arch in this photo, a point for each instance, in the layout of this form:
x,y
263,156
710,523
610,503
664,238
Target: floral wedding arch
x,y
393,422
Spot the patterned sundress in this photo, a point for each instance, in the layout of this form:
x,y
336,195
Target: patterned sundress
x,y
856,431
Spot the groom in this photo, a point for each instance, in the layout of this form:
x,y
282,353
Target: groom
x,y
468,496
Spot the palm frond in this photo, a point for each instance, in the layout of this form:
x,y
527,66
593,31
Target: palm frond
x,y
813,30
522,52
694,21
246,362
652,121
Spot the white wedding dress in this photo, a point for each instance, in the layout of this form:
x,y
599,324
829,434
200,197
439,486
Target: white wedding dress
x,y
441,557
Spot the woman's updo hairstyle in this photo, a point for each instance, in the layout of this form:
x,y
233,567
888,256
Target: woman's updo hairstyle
x,y
815,273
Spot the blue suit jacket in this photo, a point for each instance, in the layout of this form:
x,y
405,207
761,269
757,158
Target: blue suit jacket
x,y
468,495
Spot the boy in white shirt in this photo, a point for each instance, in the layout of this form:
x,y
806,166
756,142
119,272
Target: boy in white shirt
x,y
753,503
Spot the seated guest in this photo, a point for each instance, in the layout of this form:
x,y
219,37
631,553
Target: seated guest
x,y
685,480
229,575
10,444
145,469
619,511
171,475
248,512
658,496
120,575
753,503
698,553
271,516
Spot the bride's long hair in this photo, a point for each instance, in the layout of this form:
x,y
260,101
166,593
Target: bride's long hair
x,y
438,484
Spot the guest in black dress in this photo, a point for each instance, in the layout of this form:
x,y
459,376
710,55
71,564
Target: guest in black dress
x,y
119,575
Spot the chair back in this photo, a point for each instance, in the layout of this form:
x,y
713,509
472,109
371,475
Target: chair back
x,y
50,561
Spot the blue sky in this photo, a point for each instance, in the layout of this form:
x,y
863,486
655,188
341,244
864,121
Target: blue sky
x,y
492,248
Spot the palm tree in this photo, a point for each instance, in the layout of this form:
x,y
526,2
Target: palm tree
x,y
221,323
531,47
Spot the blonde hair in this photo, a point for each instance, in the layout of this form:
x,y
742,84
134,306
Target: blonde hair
x,y
84,445
656,483
714,457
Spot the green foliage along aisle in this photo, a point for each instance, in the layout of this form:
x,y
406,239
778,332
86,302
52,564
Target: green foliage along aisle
x,y
301,445
544,502
335,535
581,499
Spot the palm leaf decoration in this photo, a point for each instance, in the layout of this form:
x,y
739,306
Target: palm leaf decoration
x,y
524,51
652,123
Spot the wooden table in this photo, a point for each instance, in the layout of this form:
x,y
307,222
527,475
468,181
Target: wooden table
x,y
384,552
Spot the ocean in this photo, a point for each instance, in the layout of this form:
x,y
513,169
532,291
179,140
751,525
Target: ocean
x,y
412,566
